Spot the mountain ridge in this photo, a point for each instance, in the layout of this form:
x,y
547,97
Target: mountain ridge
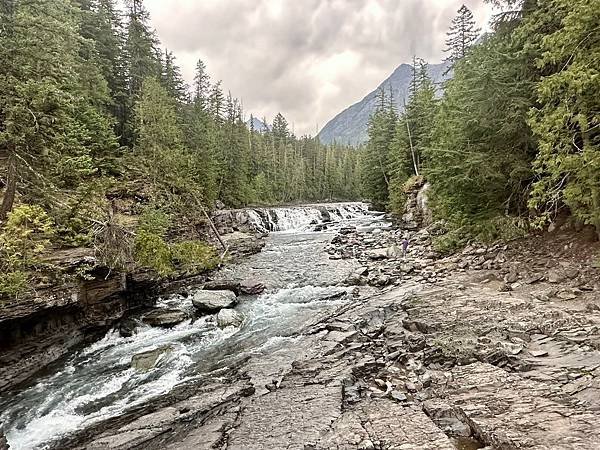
x,y
350,125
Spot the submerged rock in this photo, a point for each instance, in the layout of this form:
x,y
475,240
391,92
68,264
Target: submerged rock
x,y
213,301
164,317
229,318
147,360
128,327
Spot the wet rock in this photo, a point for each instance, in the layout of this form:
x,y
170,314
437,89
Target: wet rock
x,y
347,230
147,360
164,317
355,280
251,287
213,301
128,327
362,271
222,285
229,317
3,442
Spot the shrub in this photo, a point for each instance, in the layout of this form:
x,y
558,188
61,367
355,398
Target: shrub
x,y
194,256
13,283
23,239
153,252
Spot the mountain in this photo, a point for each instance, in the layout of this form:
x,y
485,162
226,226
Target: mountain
x,y
258,124
350,126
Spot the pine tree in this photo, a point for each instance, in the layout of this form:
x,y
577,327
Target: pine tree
x,y
141,47
201,84
172,79
52,126
479,163
462,35
376,157
566,119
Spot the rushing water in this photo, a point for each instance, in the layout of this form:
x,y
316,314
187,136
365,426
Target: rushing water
x,y
98,382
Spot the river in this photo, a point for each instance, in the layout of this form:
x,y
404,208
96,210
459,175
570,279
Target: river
x,y
98,382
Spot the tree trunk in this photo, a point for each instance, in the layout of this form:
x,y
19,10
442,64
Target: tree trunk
x,y
11,187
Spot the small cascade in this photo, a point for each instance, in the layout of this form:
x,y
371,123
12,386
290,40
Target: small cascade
x,y
305,218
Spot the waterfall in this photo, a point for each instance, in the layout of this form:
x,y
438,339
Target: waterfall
x,y
305,218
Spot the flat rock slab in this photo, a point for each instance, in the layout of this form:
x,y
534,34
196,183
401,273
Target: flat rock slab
x,y
287,418
384,424
164,317
213,301
507,411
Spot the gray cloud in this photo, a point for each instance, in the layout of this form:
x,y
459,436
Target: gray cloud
x,y
307,59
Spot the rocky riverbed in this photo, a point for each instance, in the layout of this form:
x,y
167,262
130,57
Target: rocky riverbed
x,y
495,347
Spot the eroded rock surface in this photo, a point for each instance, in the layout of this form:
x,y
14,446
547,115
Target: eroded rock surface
x,y
478,345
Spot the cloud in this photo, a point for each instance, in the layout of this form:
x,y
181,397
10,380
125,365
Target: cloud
x,y
307,59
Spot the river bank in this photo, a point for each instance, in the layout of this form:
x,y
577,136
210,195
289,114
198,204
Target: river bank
x,y
495,346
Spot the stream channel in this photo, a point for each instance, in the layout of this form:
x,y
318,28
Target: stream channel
x,y
98,382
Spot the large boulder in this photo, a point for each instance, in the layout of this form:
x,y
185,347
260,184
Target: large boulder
x,y
213,301
164,317
147,360
229,318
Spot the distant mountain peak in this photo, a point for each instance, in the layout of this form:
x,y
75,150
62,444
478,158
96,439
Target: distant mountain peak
x,y
350,126
257,124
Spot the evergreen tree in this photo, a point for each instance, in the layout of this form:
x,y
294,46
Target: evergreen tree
x,y
141,47
201,84
376,157
462,35
566,120
51,126
413,135
479,163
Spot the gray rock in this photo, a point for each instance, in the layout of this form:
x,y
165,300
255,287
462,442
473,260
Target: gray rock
x,y
213,301
251,287
555,277
222,285
128,327
398,396
377,254
147,360
164,317
3,442
229,318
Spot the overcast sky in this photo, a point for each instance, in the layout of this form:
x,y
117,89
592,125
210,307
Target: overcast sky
x,y
308,59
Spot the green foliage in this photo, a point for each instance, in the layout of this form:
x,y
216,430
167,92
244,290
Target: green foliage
x,y
12,284
193,256
487,231
154,221
413,135
23,239
376,158
566,120
152,252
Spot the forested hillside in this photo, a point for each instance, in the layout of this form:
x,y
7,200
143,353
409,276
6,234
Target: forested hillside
x,y
515,140
93,111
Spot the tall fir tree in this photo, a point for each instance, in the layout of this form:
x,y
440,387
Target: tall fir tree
x,y
462,35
